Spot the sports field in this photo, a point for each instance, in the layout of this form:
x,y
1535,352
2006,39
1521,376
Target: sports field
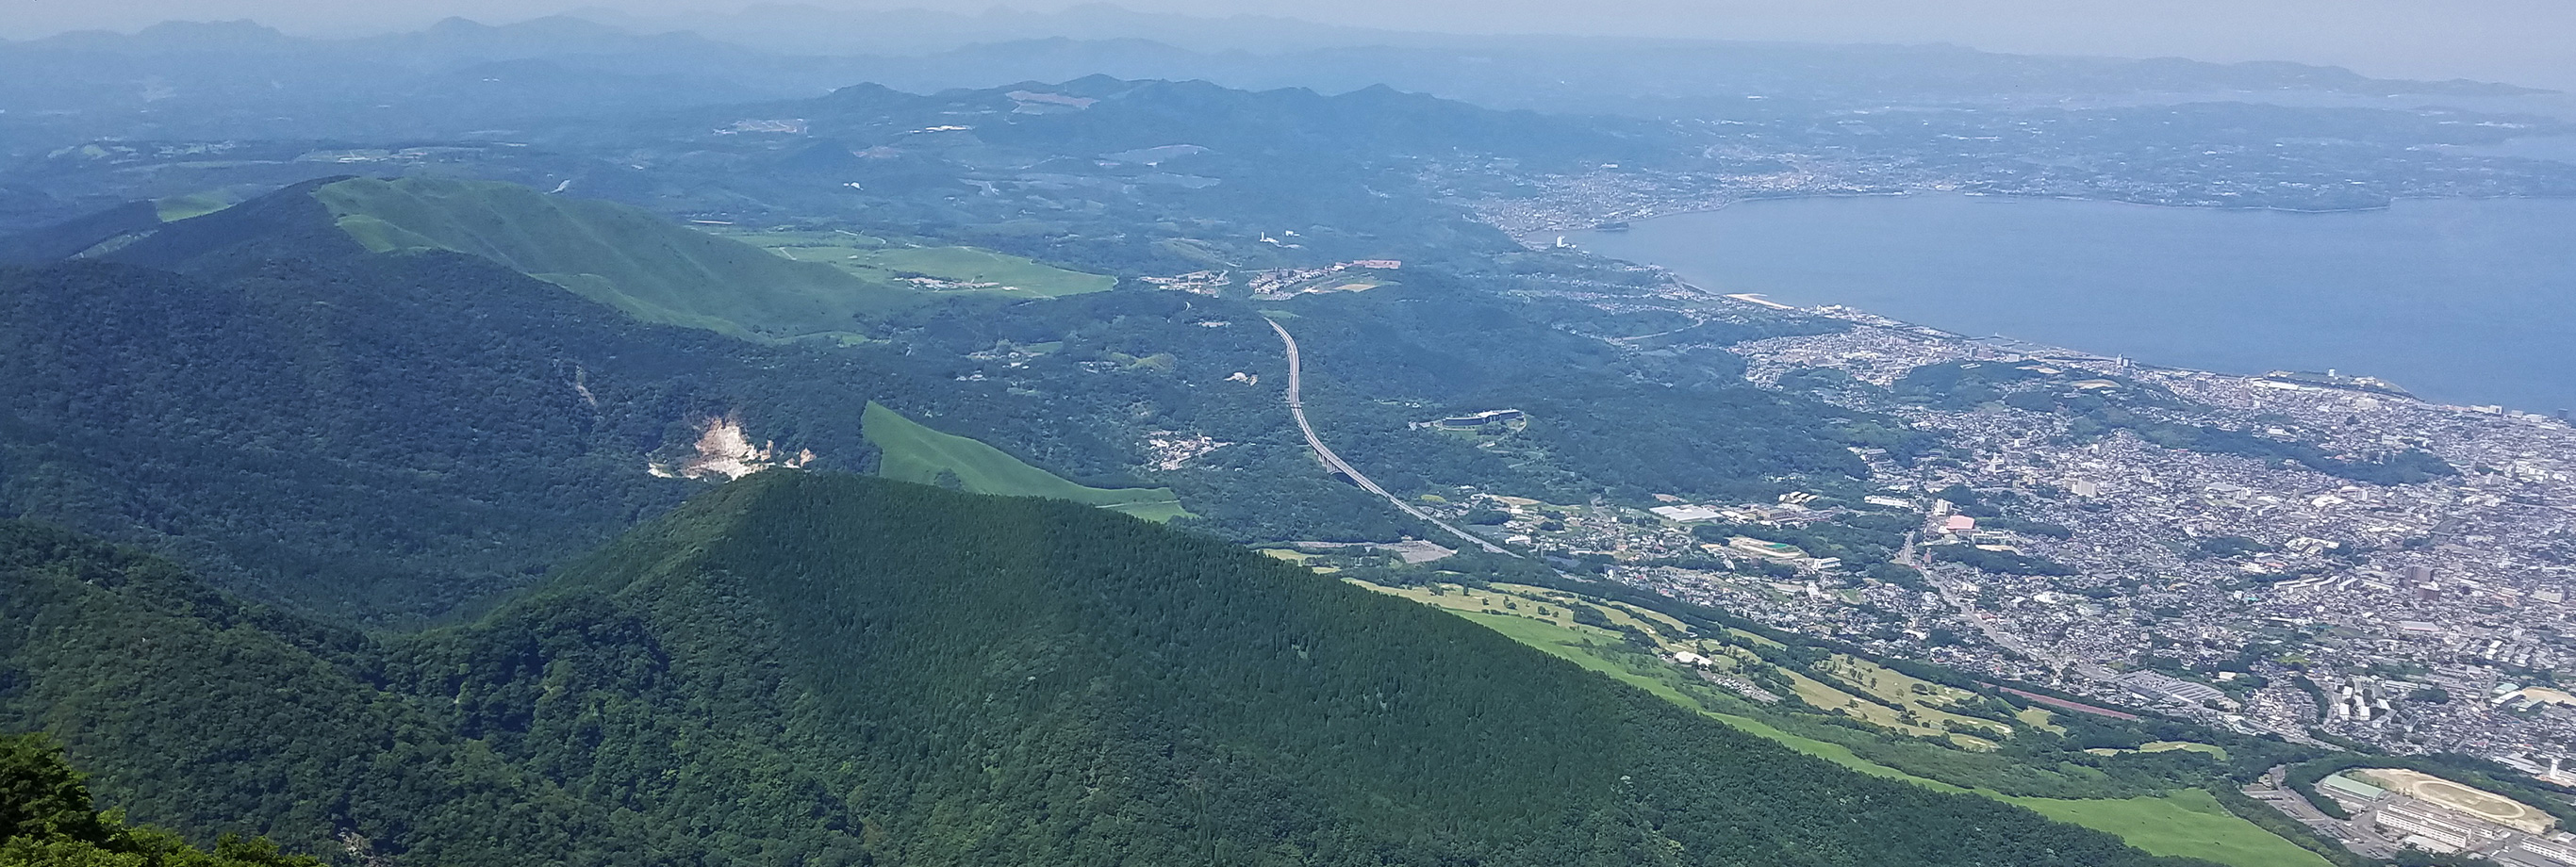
x,y
2477,802
913,452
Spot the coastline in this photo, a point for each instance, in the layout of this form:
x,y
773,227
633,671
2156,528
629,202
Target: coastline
x,y
1569,224
2452,296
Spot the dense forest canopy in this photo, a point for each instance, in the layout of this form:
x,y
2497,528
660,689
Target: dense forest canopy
x,y
47,820
814,668
392,437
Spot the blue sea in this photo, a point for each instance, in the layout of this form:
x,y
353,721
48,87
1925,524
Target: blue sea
x,y
2460,301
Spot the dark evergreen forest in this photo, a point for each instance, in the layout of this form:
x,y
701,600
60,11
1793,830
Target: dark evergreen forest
x,y
814,668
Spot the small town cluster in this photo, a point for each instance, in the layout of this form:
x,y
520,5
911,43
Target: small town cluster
x,y
1281,283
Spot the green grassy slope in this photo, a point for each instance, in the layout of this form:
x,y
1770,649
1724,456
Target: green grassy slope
x,y
1579,645
810,669
2186,823
2183,822
972,271
175,208
1027,649
913,452
624,257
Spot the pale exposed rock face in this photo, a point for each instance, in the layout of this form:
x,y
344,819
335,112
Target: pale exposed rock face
x,y
724,449
1171,449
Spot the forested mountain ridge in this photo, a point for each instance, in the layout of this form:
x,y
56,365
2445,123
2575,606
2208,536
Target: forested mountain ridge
x,y
346,425
200,713
48,819
384,436
809,668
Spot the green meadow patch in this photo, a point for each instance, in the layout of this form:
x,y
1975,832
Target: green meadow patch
x,y
2186,823
176,208
913,452
936,269
623,257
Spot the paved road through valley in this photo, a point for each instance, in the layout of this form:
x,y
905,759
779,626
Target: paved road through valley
x,y
1297,410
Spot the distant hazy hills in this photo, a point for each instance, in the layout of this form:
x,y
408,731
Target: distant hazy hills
x,y
239,79
815,669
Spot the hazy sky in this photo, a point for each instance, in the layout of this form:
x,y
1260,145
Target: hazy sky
x,y
2517,40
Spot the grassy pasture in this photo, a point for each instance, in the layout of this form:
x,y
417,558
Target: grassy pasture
x,y
913,452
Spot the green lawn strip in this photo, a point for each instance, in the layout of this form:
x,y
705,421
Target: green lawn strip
x,y
985,266
2188,822
877,261
913,452
176,208
2212,750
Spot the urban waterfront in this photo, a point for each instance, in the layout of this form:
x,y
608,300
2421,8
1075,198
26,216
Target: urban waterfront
x,y
2461,301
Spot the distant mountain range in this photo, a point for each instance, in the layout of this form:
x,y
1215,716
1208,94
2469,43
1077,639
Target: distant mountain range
x,y
232,78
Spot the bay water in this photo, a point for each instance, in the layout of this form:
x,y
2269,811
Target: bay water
x,y
2460,301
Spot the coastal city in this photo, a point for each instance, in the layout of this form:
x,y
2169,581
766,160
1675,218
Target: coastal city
x,y
2322,594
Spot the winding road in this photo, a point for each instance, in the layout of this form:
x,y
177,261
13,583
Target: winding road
x,y
1297,410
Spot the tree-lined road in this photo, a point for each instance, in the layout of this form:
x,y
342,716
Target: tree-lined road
x,y
1297,410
